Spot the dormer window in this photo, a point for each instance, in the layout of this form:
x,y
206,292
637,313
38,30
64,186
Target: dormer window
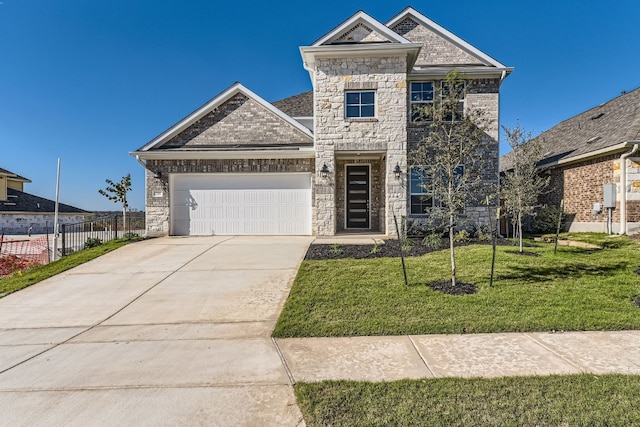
x,y
360,104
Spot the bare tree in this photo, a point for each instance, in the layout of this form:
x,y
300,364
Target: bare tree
x,y
522,183
117,192
449,159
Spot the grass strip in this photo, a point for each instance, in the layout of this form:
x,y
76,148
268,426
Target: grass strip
x,y
577,289
569,400
37,274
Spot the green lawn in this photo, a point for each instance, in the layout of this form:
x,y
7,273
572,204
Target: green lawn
x,y
576,289
36,274
571,400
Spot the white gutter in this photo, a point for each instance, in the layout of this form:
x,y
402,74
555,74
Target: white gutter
x,y
623,184
302,153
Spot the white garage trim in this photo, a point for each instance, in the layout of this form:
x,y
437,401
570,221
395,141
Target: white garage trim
x,y
240,204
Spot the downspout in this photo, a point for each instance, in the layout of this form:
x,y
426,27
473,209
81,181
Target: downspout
x,y
623,185
144,165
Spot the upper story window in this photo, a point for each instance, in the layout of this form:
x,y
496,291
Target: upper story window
x,y
459,108
360,104
421,101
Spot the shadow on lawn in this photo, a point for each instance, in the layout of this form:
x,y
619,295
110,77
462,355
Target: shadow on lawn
x,y
531,274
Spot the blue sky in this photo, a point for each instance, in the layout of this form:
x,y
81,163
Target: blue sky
x,y
89,81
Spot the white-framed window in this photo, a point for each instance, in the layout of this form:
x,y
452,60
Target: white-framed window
x,y
421,99
360,103
459,113
421,190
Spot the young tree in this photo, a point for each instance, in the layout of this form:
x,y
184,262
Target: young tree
x,y
449,158
117,192
522,183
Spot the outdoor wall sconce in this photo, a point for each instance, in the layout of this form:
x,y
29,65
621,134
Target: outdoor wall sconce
x,y
157,174
324,172
397,171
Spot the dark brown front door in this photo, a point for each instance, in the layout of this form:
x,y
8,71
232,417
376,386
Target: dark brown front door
x,y
357,197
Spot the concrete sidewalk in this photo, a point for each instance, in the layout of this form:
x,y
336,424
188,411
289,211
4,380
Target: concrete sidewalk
x,y
476,355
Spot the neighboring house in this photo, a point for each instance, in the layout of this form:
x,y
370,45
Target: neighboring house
x,y
327,161
21,212
588,151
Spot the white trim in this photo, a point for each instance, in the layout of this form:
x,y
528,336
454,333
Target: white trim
x,y
235,89
301,153
596,153
446,34
362,17
475,71
346,210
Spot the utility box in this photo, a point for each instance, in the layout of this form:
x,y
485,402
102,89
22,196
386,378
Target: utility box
x,y
610,195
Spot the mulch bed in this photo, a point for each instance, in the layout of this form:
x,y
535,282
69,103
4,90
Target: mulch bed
x,y
461,288
525,253
390,249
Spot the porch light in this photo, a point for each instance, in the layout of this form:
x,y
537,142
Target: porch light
x,y
324,172
397,171
157,174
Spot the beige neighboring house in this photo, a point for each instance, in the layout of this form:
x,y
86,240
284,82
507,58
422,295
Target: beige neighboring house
x,y
22,213
327,161
585,153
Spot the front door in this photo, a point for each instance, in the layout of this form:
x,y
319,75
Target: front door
x,y
358,195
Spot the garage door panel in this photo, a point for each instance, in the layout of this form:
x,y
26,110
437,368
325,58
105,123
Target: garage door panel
x,y
237,204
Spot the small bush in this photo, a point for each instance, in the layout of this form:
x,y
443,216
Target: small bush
x,y
433,241
462,236
546,219
92,242
130,236
484,233
336,248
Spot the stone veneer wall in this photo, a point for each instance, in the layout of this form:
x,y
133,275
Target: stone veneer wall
x,y
482,94
377,168
334,133
158,202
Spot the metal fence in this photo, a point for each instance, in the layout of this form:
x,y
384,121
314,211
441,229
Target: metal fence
x,y
81,235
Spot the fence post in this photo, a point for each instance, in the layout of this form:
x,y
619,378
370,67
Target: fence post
x,y
115,226
64,240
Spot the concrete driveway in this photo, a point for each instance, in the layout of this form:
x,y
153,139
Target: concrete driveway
x,y
169,331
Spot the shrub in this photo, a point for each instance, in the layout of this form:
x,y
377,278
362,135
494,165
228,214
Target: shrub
x,y
130,236
484,233
433,241
92,242
462,236
546,219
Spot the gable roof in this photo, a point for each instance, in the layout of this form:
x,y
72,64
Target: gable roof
x,y
19,201
359,19
13,176
602,130
300,105
235,90
409,12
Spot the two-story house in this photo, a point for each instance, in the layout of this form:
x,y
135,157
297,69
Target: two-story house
x,y
327,161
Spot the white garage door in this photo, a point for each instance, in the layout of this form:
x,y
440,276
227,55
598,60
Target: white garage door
x,y
241,204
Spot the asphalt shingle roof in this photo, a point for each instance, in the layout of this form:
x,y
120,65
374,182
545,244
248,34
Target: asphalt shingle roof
x,y
300,105
19,201
612,123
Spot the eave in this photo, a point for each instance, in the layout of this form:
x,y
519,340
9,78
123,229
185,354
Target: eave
x,y
288,153
472,71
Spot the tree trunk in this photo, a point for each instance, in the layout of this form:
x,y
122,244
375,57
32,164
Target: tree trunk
x,y
452,250
124,220
520,229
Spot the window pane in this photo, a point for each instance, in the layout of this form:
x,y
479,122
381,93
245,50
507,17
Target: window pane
x,y
353,111
367,98
367,111
353,98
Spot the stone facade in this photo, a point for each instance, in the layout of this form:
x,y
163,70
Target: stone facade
x,y
239,121
386,132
